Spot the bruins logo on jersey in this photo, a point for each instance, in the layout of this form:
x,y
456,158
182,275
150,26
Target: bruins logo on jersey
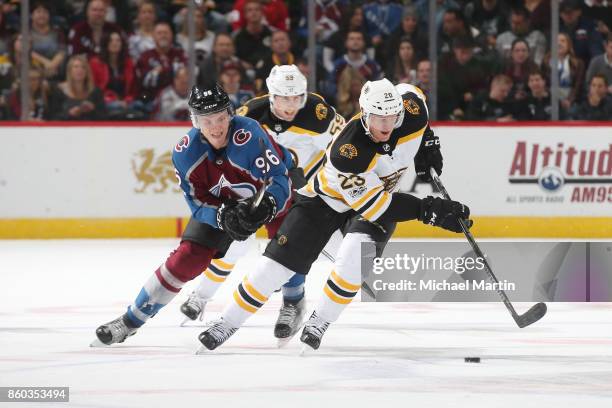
x,y
242,111
391,180
348,150
321,111
411,106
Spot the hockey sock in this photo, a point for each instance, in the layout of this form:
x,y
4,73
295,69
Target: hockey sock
x,y
344,282
213,277
156,293
255,290
293,291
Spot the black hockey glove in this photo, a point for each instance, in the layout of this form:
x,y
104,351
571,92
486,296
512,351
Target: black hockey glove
x,y
298,180
444,213
229,221
428,156
252,219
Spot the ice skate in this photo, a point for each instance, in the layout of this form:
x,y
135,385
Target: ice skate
x,y
289,321
193,308
216,334
313,332
115,331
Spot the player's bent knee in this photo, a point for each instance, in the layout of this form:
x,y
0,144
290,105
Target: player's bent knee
x,y
189,260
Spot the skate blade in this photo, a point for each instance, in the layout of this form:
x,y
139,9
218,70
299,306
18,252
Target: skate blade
x,y
98,343
202,351
282,343
306,351
185,321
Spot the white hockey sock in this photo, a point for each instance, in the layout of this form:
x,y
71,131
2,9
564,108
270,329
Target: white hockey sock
x,y
345,281
213,277
250,295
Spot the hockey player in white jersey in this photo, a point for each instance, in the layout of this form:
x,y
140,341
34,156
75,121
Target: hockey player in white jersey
x,y
303,123
358,184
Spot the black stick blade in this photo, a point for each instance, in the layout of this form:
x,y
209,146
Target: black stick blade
x,y
532,315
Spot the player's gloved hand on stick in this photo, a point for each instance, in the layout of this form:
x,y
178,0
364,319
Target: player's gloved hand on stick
x,y
252,219
428,156
229,221
444,213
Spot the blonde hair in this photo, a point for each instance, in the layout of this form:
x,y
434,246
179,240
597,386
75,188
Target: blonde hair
x,y
70,82
347,106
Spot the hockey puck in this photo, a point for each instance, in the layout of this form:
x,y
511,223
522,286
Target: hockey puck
x,y
472,359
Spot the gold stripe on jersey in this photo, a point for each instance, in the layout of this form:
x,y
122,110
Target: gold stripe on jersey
x,y
325,188
373,162
302,131
411,136
378,207
357,204
314,163
219,263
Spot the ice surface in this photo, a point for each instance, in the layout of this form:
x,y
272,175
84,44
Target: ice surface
x,y
53,294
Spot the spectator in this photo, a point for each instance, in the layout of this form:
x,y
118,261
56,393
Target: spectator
x,y
602,64
598,104
253,41
142,38
39,94
539,15
85,37
422,9
204,38
454,25
460,77
77,98
172,102
280,55
355,57
518,68
209,69
349,88
489,17
601,12
48,43
423,77
230,79
494,105
403,67
382,18
113,74
571,71
215,20
155,68
537,105
334,46
520,28
274,12
330,16
586,40
409,28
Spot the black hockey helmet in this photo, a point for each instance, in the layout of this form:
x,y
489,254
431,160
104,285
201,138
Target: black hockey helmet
x,y
203,101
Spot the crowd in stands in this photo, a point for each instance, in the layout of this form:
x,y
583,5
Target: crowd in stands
x,y
127,59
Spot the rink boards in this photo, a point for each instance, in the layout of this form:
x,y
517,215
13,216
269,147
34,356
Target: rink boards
x,y
87,180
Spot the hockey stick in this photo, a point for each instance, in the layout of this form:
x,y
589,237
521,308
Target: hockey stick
x,y
536,312
259,195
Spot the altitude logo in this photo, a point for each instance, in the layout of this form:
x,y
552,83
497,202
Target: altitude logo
x,y
586,171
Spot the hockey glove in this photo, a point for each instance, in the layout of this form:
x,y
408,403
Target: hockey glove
x,y
298,180
252,219
428,156
229,221
444,213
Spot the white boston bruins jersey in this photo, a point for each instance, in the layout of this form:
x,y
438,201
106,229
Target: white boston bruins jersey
x,y
307,136
361,174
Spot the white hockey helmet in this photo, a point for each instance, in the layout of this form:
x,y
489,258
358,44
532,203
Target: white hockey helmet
x,y
380,98
286,80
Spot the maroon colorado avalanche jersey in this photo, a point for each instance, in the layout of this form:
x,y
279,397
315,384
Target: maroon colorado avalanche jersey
x,y
151,81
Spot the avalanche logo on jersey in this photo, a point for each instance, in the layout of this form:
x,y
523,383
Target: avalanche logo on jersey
x,y
241,137
182,144
242,190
